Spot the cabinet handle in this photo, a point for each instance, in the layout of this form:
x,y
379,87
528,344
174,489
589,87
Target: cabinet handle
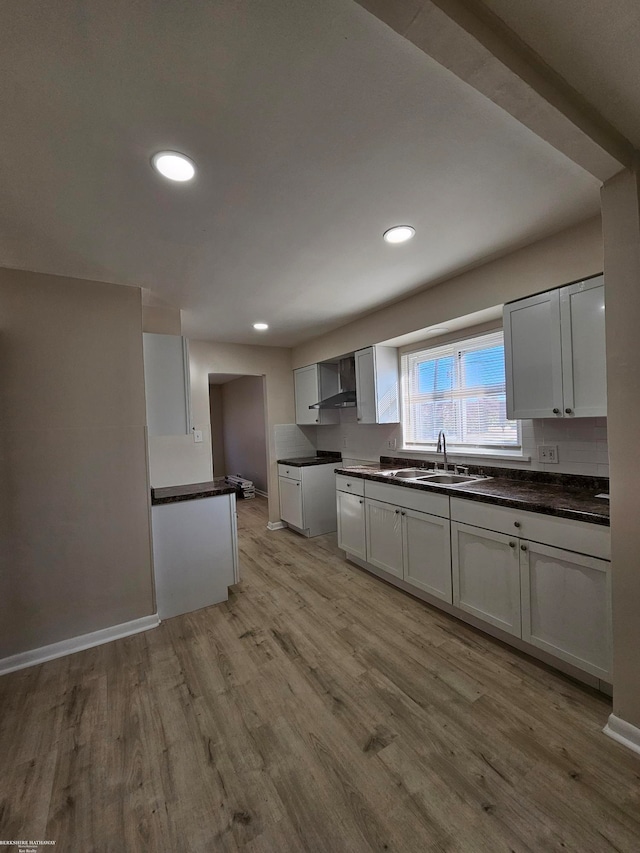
x,y
568,411
512,544
397,512
516,524
404,513
348,485
359,418
556,411
317,419
361,502
298,485
523,547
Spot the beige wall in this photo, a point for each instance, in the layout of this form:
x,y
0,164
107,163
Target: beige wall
x,y
245,448
568,256
621,220
74,511
274,363
217,432
158,317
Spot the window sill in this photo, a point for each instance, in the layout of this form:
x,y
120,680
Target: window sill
x,y
500,455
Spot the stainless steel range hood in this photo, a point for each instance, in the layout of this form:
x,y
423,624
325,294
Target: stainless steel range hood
x,y
346,398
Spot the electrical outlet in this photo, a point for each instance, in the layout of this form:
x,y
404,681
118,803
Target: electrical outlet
x,y
391,444
344,442
197,436
548,453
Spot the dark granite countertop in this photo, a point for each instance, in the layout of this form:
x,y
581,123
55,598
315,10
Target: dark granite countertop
x,y
570,499
190,492
306,461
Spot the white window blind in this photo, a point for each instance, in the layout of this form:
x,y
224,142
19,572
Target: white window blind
x,y
458,388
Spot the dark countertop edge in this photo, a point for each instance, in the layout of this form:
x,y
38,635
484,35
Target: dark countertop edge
x,y
498,500
189,492
309,461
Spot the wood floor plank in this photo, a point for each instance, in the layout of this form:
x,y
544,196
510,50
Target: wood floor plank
x,y
318,709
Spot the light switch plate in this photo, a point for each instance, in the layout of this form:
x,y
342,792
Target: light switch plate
x,y
197,436
391,444
548,453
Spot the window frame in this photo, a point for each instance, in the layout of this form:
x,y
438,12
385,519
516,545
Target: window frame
x,y
455,345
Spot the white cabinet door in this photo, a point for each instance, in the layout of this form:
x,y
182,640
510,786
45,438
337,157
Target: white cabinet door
x,y
486,575
366,386
351,529
384,536
166,381
533,357
307,392
566,606
378,385
291,502
427,553
584,363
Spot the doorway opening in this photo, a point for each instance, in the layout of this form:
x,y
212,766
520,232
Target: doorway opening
x,y
238,428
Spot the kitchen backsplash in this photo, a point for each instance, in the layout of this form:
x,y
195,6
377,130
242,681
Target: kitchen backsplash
x,y
293,441
582,443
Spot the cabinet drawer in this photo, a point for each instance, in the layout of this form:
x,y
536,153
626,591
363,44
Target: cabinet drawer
x,y
352,485
290,471
579,536
430,502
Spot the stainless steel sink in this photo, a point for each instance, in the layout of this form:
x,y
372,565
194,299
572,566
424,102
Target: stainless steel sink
x,y
407,473
425,475
451,479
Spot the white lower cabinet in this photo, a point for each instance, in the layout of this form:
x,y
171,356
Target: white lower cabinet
x,y
291,501
566,606
486,576
426,546
384,536
483,559
351,526
411,545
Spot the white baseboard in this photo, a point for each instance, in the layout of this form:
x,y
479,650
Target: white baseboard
x,y
276,525
624,732
261,493
77,644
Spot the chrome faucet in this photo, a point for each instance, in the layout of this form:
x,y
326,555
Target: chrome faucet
x,y
441,447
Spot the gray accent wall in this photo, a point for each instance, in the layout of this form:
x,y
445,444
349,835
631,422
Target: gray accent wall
x,y
243,425
75,552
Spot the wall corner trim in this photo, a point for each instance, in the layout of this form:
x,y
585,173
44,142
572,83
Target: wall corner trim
x,y
276,525
77,644
623,732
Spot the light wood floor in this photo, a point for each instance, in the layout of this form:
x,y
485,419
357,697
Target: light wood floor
x,y
318,710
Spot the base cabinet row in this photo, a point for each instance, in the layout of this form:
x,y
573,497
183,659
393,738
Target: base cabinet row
x,y
556,600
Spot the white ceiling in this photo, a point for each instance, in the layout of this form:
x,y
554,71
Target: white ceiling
x,y
592,44
314,127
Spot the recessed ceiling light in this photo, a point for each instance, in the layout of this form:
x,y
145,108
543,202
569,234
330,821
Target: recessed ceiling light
x,y
173,165
260,327
399,234
437,330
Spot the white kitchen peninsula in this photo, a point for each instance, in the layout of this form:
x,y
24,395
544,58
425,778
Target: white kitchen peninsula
x,y
195,546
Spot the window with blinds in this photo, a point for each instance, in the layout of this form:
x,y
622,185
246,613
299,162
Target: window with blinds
x,y
458,388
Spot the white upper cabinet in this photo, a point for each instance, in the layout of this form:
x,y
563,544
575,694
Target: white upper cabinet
x,y
533,357
555,355
166,381
311,384
377,385
584,361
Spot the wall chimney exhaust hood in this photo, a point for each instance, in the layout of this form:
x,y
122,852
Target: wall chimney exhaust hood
x,y
346,398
